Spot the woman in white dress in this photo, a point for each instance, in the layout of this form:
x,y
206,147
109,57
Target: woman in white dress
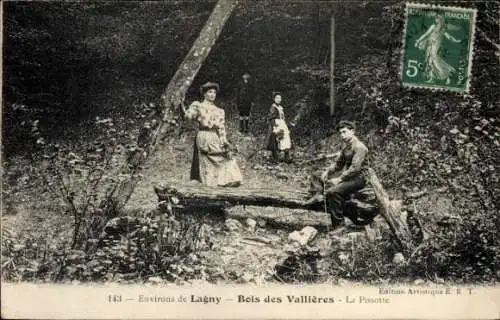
x,y
212,163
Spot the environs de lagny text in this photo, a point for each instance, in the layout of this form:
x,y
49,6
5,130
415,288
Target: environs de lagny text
x,y
297,299
382,296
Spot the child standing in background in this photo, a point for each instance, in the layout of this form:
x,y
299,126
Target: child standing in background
x,y
279,135
244,101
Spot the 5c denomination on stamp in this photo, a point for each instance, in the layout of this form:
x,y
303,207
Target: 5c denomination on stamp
x,y
438,47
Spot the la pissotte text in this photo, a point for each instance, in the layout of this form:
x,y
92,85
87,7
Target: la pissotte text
x,y
286,299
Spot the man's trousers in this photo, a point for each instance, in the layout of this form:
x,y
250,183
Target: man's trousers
x,y
337,195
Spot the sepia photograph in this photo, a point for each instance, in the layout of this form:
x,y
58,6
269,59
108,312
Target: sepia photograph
x,y
250,159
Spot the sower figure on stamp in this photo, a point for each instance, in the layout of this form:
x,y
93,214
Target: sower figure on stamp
x,y
351,164
430,42
244,101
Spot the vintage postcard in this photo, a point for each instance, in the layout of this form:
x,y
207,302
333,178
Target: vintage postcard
x,y
226,159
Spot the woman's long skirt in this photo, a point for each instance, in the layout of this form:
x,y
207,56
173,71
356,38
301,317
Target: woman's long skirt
x,y
210,168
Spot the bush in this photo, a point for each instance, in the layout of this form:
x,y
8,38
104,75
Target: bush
x,y
129,249
86,178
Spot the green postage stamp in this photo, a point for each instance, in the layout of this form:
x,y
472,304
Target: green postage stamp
x,y
438,47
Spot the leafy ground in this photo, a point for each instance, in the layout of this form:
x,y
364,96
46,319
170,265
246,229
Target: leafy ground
x,y
38,225
445,146
34,215
234,261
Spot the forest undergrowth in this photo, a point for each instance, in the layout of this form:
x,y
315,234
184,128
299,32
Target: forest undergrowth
x,y
60,221
58,204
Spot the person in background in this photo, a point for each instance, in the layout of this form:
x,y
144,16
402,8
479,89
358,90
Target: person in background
x,y
279,135
351,164
212,163
280,129
244,101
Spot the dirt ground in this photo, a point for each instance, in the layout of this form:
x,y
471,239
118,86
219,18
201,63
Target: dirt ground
x,y
243,260
172,161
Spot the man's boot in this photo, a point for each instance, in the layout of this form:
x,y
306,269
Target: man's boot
x,y
336,220
315,199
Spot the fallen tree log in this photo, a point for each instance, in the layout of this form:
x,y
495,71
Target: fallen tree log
x,y
201,196
204,197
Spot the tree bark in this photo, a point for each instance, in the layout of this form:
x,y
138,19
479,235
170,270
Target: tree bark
x,y
392,215
202,196
175,92
173,97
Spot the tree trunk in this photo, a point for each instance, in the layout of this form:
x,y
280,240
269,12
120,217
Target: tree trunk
x,y
173,97
317,51
202,196
332,65
392,215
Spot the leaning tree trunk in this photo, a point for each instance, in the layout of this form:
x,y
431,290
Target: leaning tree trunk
x,y
392,215
174,94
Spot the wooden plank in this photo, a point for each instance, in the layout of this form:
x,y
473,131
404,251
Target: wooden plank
x,y
283,218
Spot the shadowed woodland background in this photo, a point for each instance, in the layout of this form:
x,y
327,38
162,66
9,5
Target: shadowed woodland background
x,y
64,64
76,60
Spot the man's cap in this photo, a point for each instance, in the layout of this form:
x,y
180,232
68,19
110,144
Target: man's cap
x,y
209,85
276,93
346,124
246,75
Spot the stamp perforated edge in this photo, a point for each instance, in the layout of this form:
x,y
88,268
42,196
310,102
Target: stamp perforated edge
x,y
471,47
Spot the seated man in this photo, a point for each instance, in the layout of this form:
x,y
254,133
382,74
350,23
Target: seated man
x,y
351,163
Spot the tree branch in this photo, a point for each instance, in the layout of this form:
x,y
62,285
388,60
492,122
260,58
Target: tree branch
x,y
488,39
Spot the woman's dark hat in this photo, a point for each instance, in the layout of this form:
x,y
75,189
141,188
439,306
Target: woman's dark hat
x,y
346,124
207,86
